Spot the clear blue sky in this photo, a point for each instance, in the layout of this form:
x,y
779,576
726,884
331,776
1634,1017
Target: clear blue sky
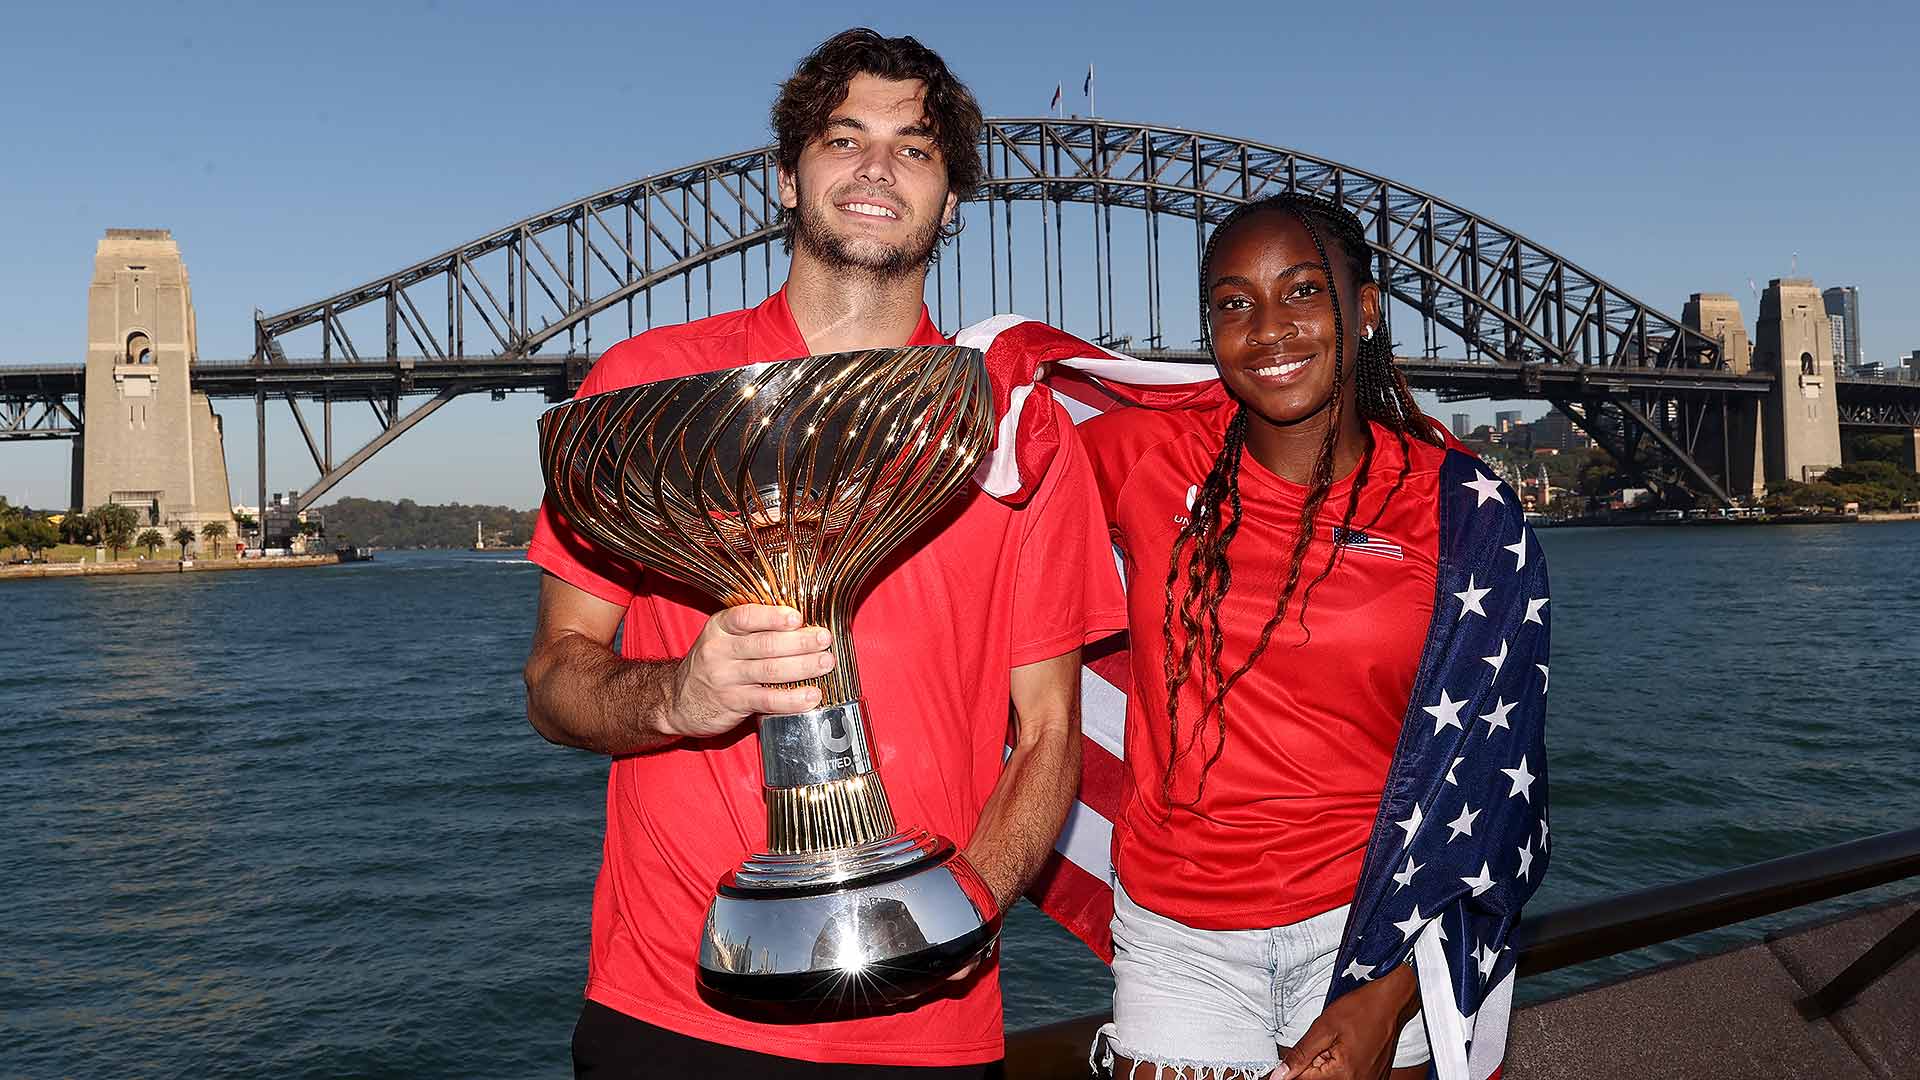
x,y
295,151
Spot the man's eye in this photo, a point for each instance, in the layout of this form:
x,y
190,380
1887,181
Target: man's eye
x,y
840,143
916,152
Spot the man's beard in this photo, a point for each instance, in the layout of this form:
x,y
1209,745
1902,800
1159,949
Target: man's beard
x,y
872,258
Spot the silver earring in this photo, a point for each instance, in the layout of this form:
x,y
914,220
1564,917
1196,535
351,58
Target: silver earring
x,y
1367,333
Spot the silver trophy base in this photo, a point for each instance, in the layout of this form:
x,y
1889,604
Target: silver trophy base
x,y
881,922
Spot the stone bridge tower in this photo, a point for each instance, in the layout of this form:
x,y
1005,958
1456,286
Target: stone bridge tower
x,y
1717,316
149,441
1795,342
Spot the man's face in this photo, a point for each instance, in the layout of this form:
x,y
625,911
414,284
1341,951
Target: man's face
x,y
870,191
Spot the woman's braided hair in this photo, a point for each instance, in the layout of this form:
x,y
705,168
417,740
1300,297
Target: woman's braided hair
x,y
1381,396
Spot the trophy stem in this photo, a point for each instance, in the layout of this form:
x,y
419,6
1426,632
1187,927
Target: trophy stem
x,y
836,814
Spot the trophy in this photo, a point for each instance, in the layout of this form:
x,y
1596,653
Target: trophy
x,y
787,483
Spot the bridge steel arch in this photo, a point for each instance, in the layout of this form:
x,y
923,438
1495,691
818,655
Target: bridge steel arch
x,y
608,264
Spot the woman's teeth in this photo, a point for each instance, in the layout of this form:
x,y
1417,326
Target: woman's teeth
x,y
1278,370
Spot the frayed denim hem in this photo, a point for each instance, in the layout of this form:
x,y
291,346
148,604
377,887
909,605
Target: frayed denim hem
x,y
1105,1049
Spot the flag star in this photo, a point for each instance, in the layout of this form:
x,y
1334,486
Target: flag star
x,y
1411,924
1497,659
1486,487
1357,971
1519,549
1411,824
1498,717
1462,825
1481,883
1405,877
1486,958
1544,678
1450,768
1470,599
1543,829
1522,780
1526,858
1445,713
1534,608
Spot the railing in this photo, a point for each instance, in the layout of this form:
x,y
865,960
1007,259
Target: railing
x,y
1603,928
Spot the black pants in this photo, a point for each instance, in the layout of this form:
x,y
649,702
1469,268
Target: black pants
x,y
610,1045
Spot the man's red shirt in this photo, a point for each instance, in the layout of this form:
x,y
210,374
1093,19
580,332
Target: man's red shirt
x,y
984,588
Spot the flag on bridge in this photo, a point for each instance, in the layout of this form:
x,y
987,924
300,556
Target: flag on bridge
x,y
1461,839
1054,105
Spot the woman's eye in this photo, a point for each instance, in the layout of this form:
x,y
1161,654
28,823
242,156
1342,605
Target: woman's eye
x,y
1233,303
1304,290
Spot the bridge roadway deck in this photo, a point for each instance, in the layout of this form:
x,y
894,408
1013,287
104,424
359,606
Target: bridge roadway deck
x,y
558,375
1728,1016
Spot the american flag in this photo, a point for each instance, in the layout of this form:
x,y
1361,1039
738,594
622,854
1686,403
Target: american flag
x,y
1461,840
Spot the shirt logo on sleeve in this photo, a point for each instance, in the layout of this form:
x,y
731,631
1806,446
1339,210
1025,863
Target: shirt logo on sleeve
x,y
1358,541
1193,492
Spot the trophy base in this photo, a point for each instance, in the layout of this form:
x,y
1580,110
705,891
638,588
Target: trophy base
x,y
815,927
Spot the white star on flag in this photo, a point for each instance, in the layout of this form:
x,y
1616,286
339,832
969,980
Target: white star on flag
x,y
1462,825
1405,877
1486,487
1497,659
1482,882
1470,599
1543,831
1519,549
1444,714
1544,677
1411,924
1498,717
1357,971
1534,607
1526,858
1522,780
1450,768
1486,958
1411,824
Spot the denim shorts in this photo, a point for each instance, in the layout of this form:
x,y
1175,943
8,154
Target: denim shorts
x,y
1221,1002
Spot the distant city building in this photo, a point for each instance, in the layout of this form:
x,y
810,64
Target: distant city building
x,y
1837,326
1556,430
1504,421
1462,425
1844,301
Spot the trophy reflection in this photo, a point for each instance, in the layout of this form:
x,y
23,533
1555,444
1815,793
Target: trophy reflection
x,y
787,483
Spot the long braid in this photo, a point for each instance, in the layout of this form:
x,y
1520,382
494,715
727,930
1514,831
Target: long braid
x,y
1381,396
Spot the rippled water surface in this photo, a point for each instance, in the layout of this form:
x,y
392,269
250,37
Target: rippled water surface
x,y
294,824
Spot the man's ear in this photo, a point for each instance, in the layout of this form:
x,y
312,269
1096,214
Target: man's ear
x,y
789,191
953,205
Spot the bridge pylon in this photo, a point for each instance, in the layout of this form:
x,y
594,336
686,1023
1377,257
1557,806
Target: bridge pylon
x,y
149,441
1737,429
1794,343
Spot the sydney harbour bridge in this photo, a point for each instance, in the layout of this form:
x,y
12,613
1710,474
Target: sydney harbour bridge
x,y
1093,225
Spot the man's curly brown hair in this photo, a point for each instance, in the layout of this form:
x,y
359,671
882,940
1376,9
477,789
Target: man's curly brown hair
x,y
819,84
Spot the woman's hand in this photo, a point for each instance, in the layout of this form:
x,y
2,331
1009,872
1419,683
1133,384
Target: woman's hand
x,y
1354,1038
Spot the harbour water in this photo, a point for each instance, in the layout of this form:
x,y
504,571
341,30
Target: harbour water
x,y
295,825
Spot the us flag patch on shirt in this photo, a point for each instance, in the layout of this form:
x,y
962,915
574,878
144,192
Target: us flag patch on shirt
x,y
1355,540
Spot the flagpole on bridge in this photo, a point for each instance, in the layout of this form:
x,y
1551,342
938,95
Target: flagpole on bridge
x,y
1088,89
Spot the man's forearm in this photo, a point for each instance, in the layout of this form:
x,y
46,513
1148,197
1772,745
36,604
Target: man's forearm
x,y
580,694
1025,813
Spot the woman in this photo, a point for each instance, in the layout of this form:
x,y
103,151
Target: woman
x,y
1289,554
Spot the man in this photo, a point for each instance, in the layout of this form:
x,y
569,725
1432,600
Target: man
x,y
989,604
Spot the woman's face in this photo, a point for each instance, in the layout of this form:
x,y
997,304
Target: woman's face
x,y
1271,314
